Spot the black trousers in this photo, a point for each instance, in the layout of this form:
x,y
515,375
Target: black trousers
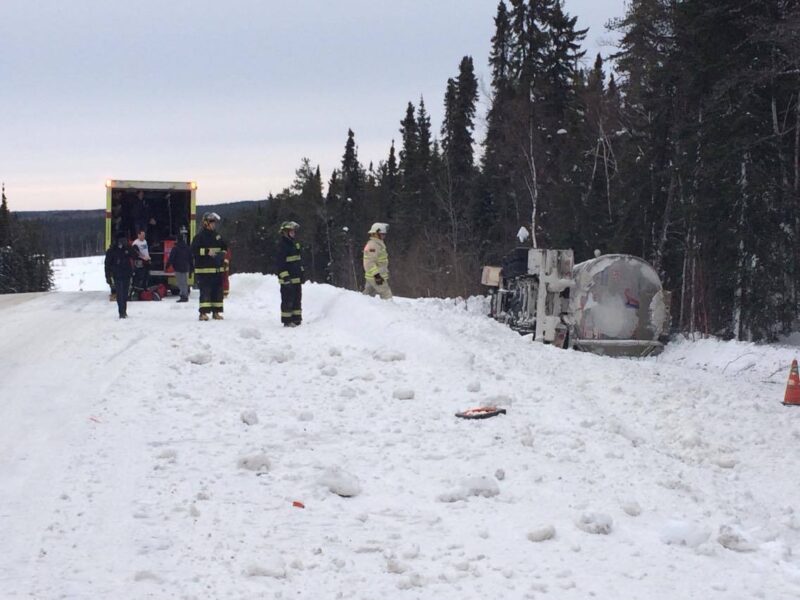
x,y
291,303
123,286
211,296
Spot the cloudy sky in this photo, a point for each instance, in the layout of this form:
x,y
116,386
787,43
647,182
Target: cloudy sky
x,y
229,94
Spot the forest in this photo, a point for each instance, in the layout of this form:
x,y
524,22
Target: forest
x,y
682,146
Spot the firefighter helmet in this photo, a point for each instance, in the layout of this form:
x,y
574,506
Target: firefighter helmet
x,y
379,228
211,216
286,225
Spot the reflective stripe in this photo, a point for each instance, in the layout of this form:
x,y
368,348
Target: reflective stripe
x,y
205,251
286,314
283,274
294,258
208,270
216,304
297,313
206,304
295,280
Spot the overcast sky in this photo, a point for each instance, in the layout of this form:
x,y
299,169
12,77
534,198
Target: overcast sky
x,y
229,94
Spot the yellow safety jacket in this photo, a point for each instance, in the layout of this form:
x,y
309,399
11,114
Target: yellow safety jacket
x,y
376,259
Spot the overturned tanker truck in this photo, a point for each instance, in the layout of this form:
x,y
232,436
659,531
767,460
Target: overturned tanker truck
x,y
613,304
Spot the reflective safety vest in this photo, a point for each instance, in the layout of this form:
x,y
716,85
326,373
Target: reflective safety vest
x,y
376,259
208,250
289,262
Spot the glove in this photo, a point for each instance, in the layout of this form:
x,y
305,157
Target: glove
x,y
212,252
379,279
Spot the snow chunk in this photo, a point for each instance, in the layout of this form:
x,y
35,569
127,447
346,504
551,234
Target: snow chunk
x,y
200,358
542,534
249,417
499,400
274,567
403,394
632,508
596,523
340,482
250,333
684,533
472,486
388,355
481,486
255,462
732,538
725,462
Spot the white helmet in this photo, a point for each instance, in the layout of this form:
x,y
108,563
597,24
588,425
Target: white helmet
x,y
379,228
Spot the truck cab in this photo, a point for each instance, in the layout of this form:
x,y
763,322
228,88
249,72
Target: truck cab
x,y
165,210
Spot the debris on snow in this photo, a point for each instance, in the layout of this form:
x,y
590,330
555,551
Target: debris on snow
x,y
340,482
249,417
255,462
595,523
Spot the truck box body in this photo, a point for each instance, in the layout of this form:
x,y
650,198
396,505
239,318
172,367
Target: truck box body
x,y
162,208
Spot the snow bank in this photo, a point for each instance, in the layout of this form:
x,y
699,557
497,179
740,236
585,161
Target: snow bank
x,y
130,470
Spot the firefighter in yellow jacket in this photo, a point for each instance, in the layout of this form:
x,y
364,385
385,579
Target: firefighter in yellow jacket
x,y
376,263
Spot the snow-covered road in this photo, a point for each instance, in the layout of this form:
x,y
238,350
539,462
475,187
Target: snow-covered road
x,y
127,469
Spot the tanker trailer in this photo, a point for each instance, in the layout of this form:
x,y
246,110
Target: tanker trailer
x,y
612,304
618,307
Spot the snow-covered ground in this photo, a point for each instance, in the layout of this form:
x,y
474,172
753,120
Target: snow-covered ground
x,y
161,457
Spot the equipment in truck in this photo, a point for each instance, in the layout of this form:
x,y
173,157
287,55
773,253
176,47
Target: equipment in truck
x,y
162,209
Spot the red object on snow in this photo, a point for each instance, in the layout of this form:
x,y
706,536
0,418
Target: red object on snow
x,y
298,504
483,412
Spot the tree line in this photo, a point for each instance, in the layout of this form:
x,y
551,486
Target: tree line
x,y
24,263
685,152
682,147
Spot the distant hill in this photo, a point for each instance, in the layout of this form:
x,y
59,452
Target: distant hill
x,y
75,233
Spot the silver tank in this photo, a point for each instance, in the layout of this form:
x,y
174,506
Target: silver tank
x,y
618,306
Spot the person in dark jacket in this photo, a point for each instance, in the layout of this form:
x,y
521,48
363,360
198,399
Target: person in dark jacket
x,y
289,266
109,274
118,261
208,251
180,259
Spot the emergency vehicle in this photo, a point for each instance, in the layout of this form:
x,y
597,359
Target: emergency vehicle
x,y
164,209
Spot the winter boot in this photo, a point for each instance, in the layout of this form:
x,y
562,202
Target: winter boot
x,y
217,316
204,316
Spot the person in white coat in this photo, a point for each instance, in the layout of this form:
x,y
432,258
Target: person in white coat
x,y
376,263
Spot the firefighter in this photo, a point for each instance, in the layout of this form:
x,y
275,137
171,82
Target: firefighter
x,y
376,263
208,250
289,266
